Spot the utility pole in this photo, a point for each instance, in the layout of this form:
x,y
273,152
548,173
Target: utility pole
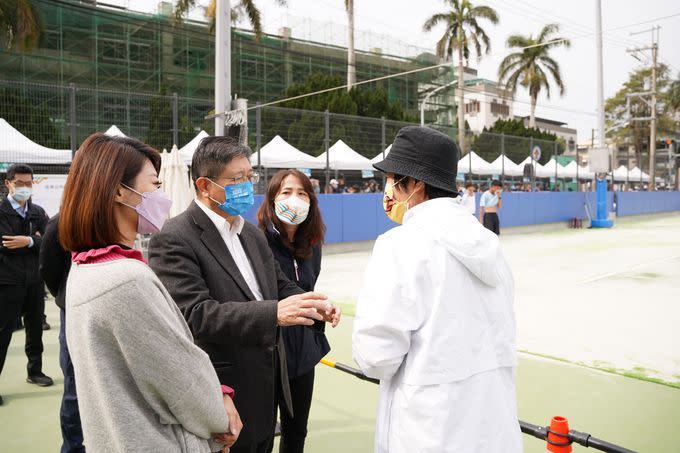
x,y
600,76
654,47
222,63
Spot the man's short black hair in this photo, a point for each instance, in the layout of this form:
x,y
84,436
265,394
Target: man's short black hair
x,y
18,169
496,183
213,154
470,184
430,191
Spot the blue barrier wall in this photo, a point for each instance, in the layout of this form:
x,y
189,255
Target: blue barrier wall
x,y
636,203
360,217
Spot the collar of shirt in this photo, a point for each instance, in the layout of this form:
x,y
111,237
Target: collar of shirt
x,y
220,222
17,207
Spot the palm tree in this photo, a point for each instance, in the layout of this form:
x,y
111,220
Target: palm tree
x,y
674,95
240,9
531,64
351,56
462,31
20,24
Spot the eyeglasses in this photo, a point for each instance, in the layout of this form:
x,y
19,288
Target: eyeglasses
x,y
253,178
22,183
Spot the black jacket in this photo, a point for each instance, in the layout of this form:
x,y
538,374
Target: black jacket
x,y
240,334
20,266
55,262
304,347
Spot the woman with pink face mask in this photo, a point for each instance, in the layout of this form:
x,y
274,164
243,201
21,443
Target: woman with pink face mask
x,y
142,383
291,220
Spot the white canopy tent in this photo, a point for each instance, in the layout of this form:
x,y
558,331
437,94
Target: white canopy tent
x,y
638,175
504,166
16,148
479,165
187,151
278,153
342,157
379,157
621,173
113,131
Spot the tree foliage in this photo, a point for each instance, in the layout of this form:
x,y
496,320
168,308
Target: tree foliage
x,y
517,140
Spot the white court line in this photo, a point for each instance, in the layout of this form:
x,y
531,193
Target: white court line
x,y
611,274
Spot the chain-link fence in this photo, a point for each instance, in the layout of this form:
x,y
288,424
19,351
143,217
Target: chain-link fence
x,y
61,117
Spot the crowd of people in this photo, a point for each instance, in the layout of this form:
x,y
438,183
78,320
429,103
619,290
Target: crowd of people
x,y
198,348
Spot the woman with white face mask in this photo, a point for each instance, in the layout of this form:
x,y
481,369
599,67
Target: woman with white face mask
x,y
291,220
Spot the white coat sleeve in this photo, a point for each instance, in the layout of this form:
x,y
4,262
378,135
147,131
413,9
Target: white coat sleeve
x,y
386,315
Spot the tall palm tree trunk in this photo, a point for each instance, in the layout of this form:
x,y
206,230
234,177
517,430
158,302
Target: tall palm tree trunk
x,y
532,116
461,101
351,56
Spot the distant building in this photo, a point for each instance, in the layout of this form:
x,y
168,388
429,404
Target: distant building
x,y
558,128
485,103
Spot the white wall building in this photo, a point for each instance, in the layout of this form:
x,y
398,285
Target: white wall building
x,y
485,103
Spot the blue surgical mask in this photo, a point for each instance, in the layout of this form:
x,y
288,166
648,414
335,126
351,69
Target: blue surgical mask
x,y
238,198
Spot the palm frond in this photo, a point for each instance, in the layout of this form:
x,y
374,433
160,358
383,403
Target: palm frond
x,y
254,16
435,20
485,12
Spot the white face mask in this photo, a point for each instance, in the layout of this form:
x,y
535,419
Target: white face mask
x,y
292,210
22,194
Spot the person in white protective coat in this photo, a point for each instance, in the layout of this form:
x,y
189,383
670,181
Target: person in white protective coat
x,y
435,320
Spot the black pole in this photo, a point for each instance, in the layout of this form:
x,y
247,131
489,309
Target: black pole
x,y
539,432
175,119
73,125
326,142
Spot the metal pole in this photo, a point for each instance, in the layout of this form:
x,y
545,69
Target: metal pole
x,y
503,158
555,157
533,168
326,142
628,168
222,62
73,126
175,119
578,164
600,76
382,132
652,126
258,136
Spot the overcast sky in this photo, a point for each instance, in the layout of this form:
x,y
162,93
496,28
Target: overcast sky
x,y
401,20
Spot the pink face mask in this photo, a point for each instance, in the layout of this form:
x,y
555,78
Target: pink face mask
x,y
152,211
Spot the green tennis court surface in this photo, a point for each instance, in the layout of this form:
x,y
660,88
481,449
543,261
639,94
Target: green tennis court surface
x,y
624,282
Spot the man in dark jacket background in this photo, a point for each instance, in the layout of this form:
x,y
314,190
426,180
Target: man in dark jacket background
x,y
22,225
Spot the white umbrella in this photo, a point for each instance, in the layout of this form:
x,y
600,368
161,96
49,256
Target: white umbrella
x,y
176,182
113,131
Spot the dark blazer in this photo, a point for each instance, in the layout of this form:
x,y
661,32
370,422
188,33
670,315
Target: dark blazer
x,y
304,346
240,334
55,262
20,266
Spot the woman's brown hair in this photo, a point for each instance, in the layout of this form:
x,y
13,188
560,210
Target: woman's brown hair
x,y
101,164
310,233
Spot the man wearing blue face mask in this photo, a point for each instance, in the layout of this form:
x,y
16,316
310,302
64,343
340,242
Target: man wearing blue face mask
x,y
220,271
22,224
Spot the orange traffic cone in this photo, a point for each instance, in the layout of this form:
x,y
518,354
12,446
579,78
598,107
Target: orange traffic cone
x,y
558,435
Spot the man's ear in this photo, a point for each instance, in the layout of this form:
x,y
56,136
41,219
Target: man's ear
x,y
202,187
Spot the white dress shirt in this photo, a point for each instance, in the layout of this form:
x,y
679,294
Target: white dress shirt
x,y
230,235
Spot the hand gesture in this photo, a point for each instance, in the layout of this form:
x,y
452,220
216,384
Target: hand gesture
x,y
302,309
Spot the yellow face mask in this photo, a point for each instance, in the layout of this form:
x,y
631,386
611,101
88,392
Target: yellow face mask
x,y
395,210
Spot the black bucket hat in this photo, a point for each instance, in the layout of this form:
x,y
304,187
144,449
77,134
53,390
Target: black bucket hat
x,y
424,154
